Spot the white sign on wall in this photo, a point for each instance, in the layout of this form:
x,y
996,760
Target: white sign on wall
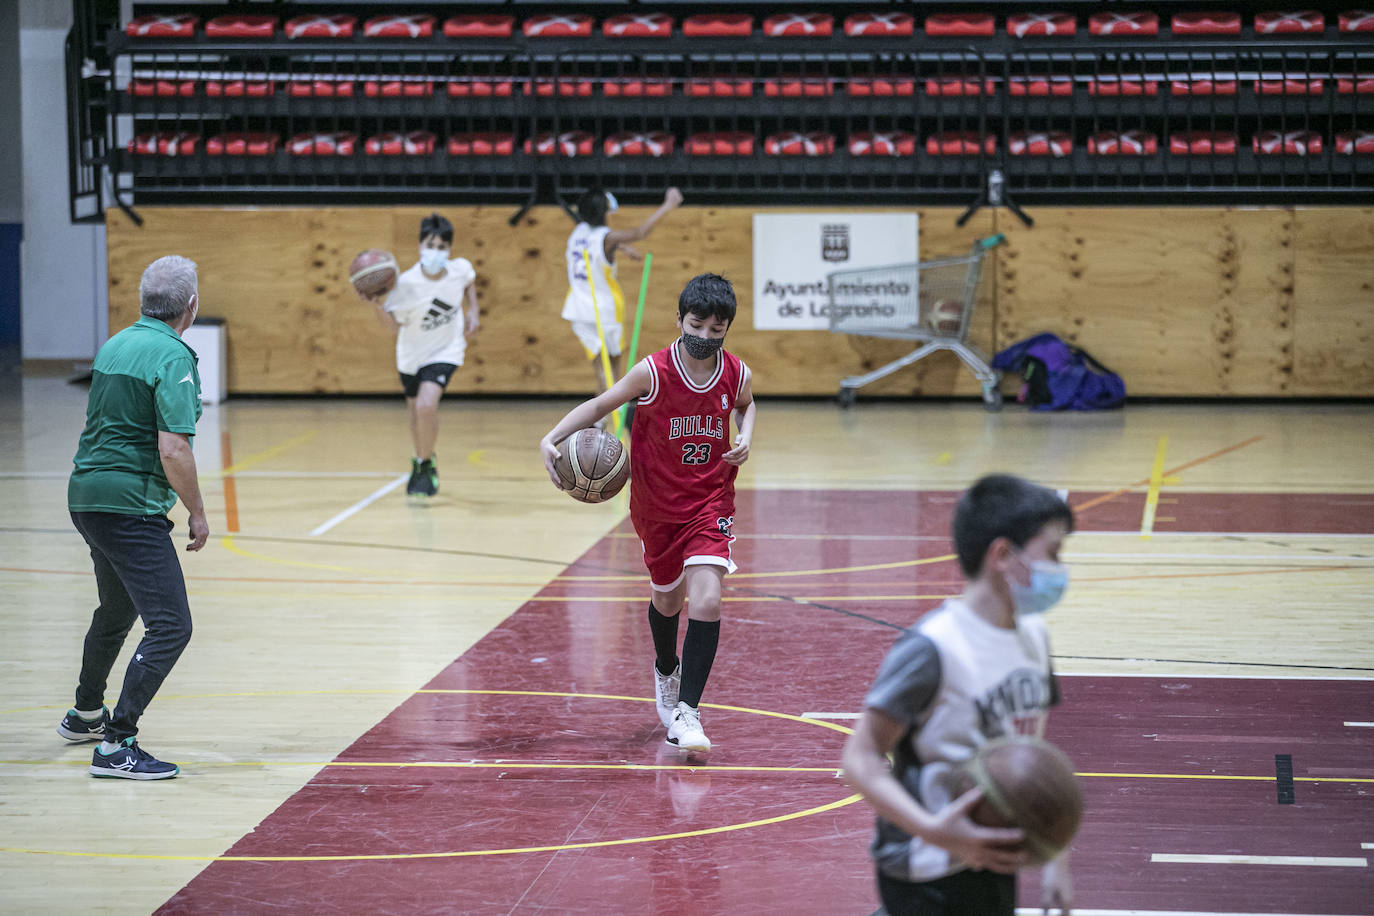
x,y
793,253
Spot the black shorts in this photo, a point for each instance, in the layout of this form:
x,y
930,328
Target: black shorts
x,y
438,373
964,893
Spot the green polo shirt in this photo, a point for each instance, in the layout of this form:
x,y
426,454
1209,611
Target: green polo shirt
x,y
144,380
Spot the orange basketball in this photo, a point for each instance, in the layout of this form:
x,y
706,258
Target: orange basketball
x,y
373,273
593,465
1028,784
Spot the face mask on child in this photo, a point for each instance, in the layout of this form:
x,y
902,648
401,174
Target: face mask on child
x,y
1048,582
432,260
701,347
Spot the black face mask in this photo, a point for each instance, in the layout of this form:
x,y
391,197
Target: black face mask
x,y
701,347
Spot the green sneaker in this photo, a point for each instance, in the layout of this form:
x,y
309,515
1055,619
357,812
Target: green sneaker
x,y
413,485
427,482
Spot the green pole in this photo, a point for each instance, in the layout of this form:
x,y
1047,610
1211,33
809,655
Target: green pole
x,y
634,335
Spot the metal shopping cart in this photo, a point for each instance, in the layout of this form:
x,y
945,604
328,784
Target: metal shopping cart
x,y
931,302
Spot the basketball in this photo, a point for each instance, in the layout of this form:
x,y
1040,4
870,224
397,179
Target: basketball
x,y
373,273
1028,784
945,316
593,465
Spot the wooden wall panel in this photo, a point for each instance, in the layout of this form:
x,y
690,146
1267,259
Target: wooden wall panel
x,y
1191,302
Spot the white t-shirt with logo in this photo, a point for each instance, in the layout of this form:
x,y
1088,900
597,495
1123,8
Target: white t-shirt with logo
x,y
589,242
956,682
430,313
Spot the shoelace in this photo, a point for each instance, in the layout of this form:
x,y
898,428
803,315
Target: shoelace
x,y
690,718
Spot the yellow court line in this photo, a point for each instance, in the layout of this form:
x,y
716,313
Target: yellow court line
x,y
786,572
1147,520
267,454
1223,777
820,809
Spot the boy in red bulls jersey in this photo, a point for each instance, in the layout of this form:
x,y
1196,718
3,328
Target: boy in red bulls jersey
x,y
682,488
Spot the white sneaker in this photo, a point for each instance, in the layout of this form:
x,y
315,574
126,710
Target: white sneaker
x,y
685,732
665,693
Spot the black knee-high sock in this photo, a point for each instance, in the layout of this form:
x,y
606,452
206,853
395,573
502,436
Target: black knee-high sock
x,y
698,654
665,639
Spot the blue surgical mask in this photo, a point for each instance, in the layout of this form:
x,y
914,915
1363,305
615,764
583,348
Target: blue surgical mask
x,y
432,260
1048,581
701,347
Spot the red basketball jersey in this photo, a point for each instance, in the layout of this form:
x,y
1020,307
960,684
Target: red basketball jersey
x,y
680,431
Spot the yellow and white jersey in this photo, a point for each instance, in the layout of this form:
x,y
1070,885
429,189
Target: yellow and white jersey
x,y
587,240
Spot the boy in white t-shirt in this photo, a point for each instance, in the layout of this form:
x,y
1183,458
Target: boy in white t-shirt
x,y
425,309
593,239
976,669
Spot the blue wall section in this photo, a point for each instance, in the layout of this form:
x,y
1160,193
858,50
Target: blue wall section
x,y
10,236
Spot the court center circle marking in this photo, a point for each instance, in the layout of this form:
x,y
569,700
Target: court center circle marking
x,y
467,853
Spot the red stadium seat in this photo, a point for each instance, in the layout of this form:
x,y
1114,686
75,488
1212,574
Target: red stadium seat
x,y
394,143
1359,84
335,144
1123,85
1203,143
320,89
651,143
721,143
162,88
1356,21
166,143
718,25
1291,143
1306,22
337,26
892,143
413,26
1041,85
1040,143
961,25
882,86
233,89
481,144
720,87
569,143
1127,25
799,25
1202,87
490,26
958,86
1205,24
398,88
176,25
242,144
241,27
567,25
799,87
1288,87
816,143
1350,143
631,87
480,88
960,143
879,25
547,87
1034,25
638,25
1123,143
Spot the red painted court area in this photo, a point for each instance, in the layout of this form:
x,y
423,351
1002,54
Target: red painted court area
x,y
530,775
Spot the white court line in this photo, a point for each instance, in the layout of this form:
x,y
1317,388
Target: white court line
x,y
1325,861
1070,556
1227,534
360,505
1218,677
831,715
1359,725
1077,911
1367,845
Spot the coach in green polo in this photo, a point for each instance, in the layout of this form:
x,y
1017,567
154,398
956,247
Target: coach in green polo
x,y
133,461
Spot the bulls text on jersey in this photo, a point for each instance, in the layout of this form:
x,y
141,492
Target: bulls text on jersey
x,y
697,426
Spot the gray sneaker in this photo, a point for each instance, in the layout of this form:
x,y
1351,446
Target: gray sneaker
x,y
665,693
685,732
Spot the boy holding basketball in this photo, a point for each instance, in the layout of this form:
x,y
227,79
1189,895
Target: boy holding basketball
x,y
425,311
976,669
597,294
682,489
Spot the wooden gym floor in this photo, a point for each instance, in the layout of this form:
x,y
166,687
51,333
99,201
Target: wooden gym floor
x,y
445,708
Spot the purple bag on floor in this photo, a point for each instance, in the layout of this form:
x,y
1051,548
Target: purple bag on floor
x,y
1061,377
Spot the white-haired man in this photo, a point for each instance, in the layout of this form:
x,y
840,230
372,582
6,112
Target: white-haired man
x,y
133,461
